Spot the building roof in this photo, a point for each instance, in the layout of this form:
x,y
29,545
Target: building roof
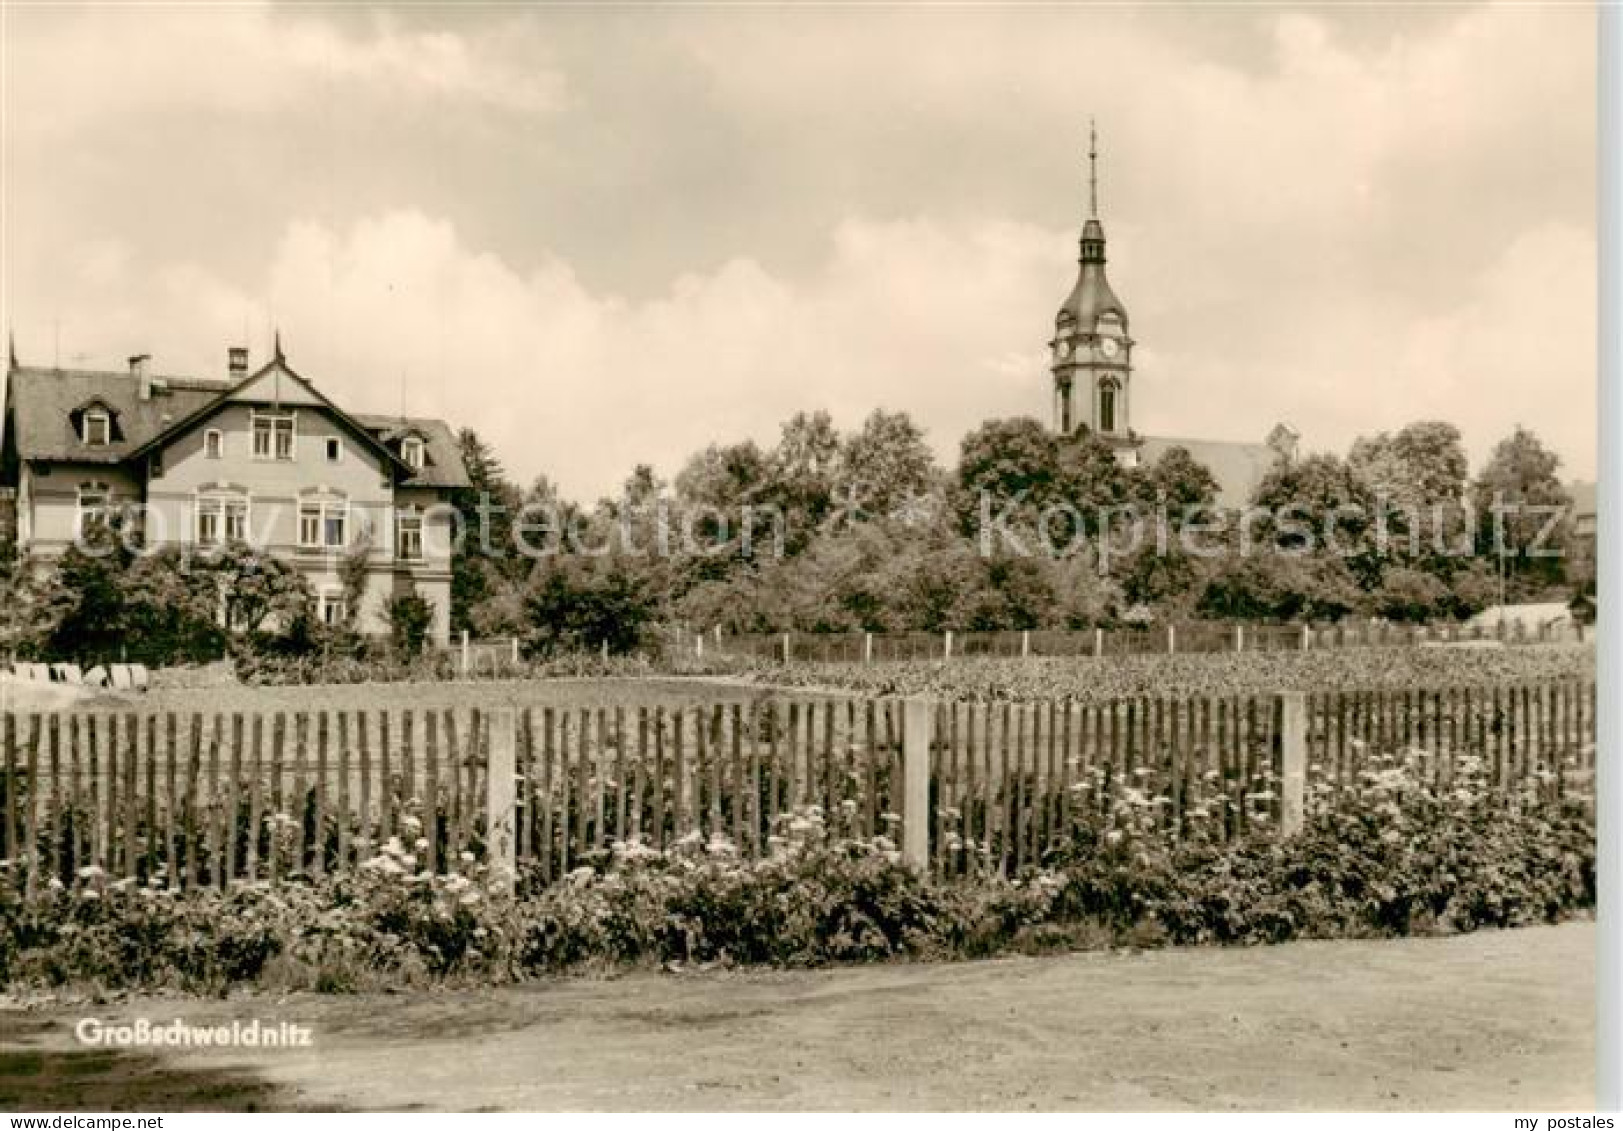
x,y
1237,467
42,404
442,462
1091,296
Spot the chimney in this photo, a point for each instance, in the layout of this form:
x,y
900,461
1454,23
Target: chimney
x,y
236,366
143,377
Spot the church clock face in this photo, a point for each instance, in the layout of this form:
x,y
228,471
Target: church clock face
x,y
1109,347
1063,349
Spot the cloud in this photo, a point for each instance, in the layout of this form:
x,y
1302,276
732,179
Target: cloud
x,y
609,238
946,322
583,385
97,65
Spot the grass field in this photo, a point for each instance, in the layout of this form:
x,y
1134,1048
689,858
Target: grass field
x,y
483,694
1083,679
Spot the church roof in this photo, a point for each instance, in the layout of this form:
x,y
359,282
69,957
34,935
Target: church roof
x,y
1237,467
1092,296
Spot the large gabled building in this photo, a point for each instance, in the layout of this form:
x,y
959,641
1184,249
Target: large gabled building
x,y
260,456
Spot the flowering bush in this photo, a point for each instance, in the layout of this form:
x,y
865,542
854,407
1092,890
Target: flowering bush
x,y
1396,855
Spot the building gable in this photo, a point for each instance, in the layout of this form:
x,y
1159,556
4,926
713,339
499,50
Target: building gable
x,y
276,385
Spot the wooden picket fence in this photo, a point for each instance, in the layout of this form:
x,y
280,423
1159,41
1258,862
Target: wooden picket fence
x,y
204,800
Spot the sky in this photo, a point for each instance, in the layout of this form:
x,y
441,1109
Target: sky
x,y
609,236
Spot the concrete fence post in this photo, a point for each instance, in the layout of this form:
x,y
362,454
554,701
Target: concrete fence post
x,y
917,718
698,645
1239,638
1172,639
867,647
515,649
1292,762
1025,643
1098,642
1307,637
946,646
501,800
465,652
786,647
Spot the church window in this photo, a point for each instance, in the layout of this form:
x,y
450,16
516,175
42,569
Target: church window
x,y
1107,406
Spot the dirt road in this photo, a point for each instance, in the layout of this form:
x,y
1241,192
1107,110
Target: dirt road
x,y
1497,1020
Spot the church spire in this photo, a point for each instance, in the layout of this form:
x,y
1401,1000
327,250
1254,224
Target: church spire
x,y
1093,232
1093,171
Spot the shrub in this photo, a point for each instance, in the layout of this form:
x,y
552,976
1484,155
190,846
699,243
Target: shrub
x,y
411,617
1397,856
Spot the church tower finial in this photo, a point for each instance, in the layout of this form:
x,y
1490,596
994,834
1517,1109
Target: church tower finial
x,y
1093,171
276,349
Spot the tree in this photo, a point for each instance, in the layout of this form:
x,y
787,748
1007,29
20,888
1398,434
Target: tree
x,y
1007,459
1411,595
263,594
485,510
352,575
1178,481
1039,485
884,465
804,465
1319,505
28,620
1424,464
411,617
1008,472
1091,478
1153,577
715,486
1416,483
1272,586
83,601
175,610
1514,497
575,603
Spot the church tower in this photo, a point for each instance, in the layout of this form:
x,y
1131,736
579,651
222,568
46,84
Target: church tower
x,y
1092,352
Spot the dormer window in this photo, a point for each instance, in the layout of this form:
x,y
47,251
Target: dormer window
x,y
96,427
413,452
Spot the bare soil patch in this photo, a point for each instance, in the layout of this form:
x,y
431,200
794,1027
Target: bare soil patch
x,y
1490,1021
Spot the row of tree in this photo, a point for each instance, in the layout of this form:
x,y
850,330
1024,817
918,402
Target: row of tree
x,y
104,600
867,531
